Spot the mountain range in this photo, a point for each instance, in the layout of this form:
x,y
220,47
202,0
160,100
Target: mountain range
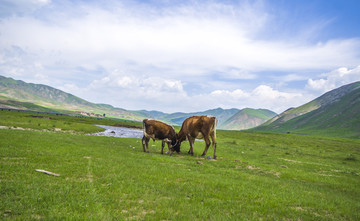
x,y
335,113
17,94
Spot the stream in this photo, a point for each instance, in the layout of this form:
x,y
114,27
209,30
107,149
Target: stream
x,y
120,132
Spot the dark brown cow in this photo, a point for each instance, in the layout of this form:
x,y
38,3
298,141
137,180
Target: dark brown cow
x,y
158,130
198,127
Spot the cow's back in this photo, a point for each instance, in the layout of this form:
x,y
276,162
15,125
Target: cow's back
x,y
157,129
191,125
195,124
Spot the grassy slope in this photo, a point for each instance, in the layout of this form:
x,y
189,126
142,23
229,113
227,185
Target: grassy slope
x,y
38,93
13,104
257,176
336,113
17,93
341,119
292,113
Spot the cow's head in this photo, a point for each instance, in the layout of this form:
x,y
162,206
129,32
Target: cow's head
x,y
175,146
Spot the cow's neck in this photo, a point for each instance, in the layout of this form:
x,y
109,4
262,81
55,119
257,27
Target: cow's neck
x,y
181,136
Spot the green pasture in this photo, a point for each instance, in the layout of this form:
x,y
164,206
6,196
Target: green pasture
x,y
57,122
257,176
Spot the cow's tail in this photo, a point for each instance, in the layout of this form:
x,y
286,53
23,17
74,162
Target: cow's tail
x,y
144,131
144,125
214,126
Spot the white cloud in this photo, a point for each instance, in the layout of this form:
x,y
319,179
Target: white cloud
x,y
266,92
133,92
197,37
124,81
236,94
151,93
134,55
236,73
262,96
290,78
334,79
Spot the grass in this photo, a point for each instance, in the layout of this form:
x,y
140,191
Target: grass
x,y
44,121
257,176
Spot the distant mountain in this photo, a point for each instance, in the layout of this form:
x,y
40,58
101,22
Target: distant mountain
x,y
21,95
152,114
229,119
221,114
336,113
248,118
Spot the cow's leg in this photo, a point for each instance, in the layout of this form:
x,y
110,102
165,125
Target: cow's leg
x,y
162,146
147,144
169,145
214,145
213,138
191,141
207,143
143,142
189,152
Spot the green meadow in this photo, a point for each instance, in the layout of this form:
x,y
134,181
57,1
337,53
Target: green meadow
x,y
257,176
57,122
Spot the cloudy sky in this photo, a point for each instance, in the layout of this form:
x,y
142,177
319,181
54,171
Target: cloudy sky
x,y
178,55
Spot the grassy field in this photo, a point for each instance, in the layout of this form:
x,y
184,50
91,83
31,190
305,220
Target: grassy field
x,y
56,122
257,176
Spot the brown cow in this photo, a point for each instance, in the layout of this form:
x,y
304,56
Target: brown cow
x,y
198,127
158,130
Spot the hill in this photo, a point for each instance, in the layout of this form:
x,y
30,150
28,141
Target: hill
x,y
28,96
248,118
336,113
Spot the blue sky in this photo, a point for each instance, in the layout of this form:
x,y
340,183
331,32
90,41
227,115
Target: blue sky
x,y
183,55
